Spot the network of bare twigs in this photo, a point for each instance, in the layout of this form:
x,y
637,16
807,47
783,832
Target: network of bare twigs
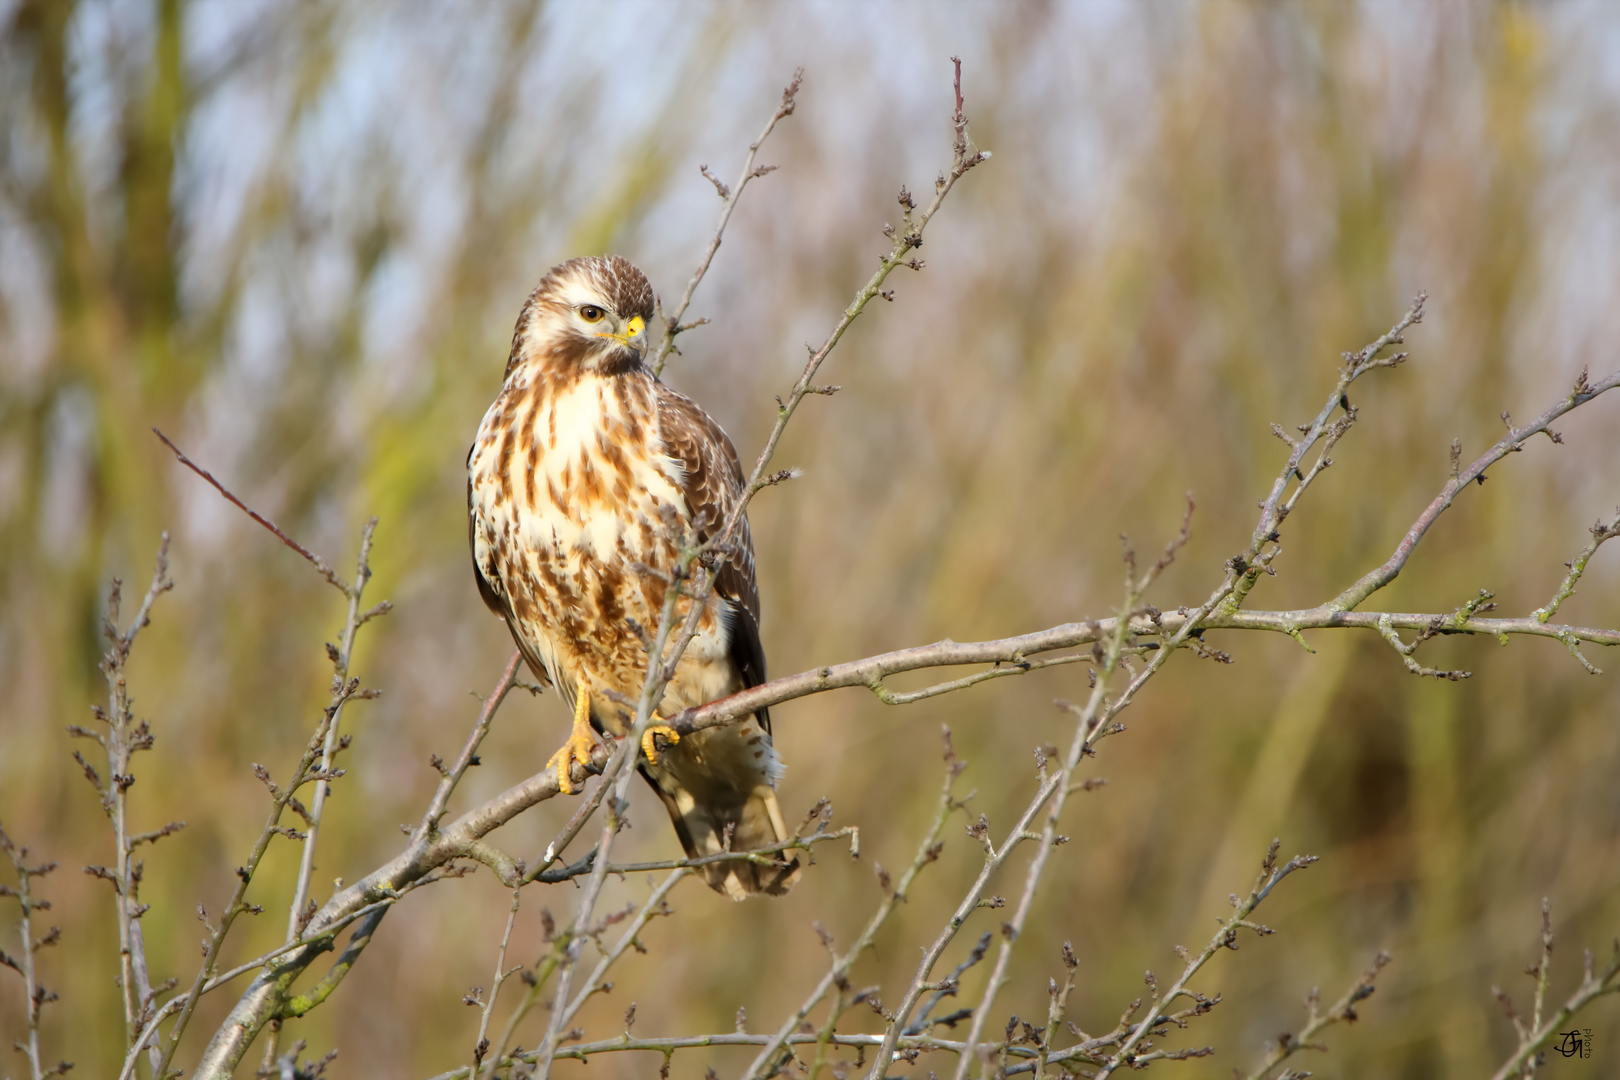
x,y
1119,652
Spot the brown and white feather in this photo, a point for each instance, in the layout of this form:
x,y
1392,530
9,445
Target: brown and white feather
x,y
587,472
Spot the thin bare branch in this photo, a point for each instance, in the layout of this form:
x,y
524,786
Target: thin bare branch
x,y
497,979
728,197
1535,1035
1514,440
584,1051
759,856
124,738
244,874
451,776
1577,567
767,1061
1341,1011
315,560
296,913
36,997
1271,875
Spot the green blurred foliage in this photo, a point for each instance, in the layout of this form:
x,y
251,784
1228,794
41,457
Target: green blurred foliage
x,y
294,234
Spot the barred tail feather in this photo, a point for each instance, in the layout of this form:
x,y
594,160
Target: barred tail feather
x,y
754,823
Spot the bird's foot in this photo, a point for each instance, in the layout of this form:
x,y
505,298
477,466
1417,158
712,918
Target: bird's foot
x,y
581,741
577,748
655,731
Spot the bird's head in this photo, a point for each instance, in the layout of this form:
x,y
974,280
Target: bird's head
x,y
588,314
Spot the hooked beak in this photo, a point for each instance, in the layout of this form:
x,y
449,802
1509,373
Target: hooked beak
x,y
633,336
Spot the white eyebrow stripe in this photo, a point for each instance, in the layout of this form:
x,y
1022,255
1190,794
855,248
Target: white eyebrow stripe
x,y
576,293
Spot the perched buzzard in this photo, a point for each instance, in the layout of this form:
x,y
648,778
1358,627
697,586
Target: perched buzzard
x,y
586,475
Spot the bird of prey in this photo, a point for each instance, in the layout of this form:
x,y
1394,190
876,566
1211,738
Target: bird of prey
x,y
587,477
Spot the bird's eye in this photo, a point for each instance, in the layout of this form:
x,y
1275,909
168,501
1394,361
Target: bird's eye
x,y
591,313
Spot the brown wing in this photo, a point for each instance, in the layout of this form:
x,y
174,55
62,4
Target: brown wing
x,y
494,592
713,486
492,596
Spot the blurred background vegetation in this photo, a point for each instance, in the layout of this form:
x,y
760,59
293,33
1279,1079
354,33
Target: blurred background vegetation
x,y
294,234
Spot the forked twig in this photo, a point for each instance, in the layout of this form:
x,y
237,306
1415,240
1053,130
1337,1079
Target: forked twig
x,y
1341,1011
1538,1032
728,198
35,996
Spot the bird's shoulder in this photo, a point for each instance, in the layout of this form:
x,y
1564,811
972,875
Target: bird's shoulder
x,y
697,440
713,484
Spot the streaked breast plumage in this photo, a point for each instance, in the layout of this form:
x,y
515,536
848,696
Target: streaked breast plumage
x,y
586,477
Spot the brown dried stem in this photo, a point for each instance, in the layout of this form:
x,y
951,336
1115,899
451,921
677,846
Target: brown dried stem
x,y
315,560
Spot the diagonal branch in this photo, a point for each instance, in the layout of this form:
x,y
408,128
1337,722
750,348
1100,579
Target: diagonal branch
x,y
452,775
1582,392
315,560
728,198
263,999
1594,984
1225,938
280,799
1577,567
1341,1011
767,1062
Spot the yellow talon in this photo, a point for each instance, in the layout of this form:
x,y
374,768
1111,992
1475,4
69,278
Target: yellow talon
x,y
581,740
649,747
